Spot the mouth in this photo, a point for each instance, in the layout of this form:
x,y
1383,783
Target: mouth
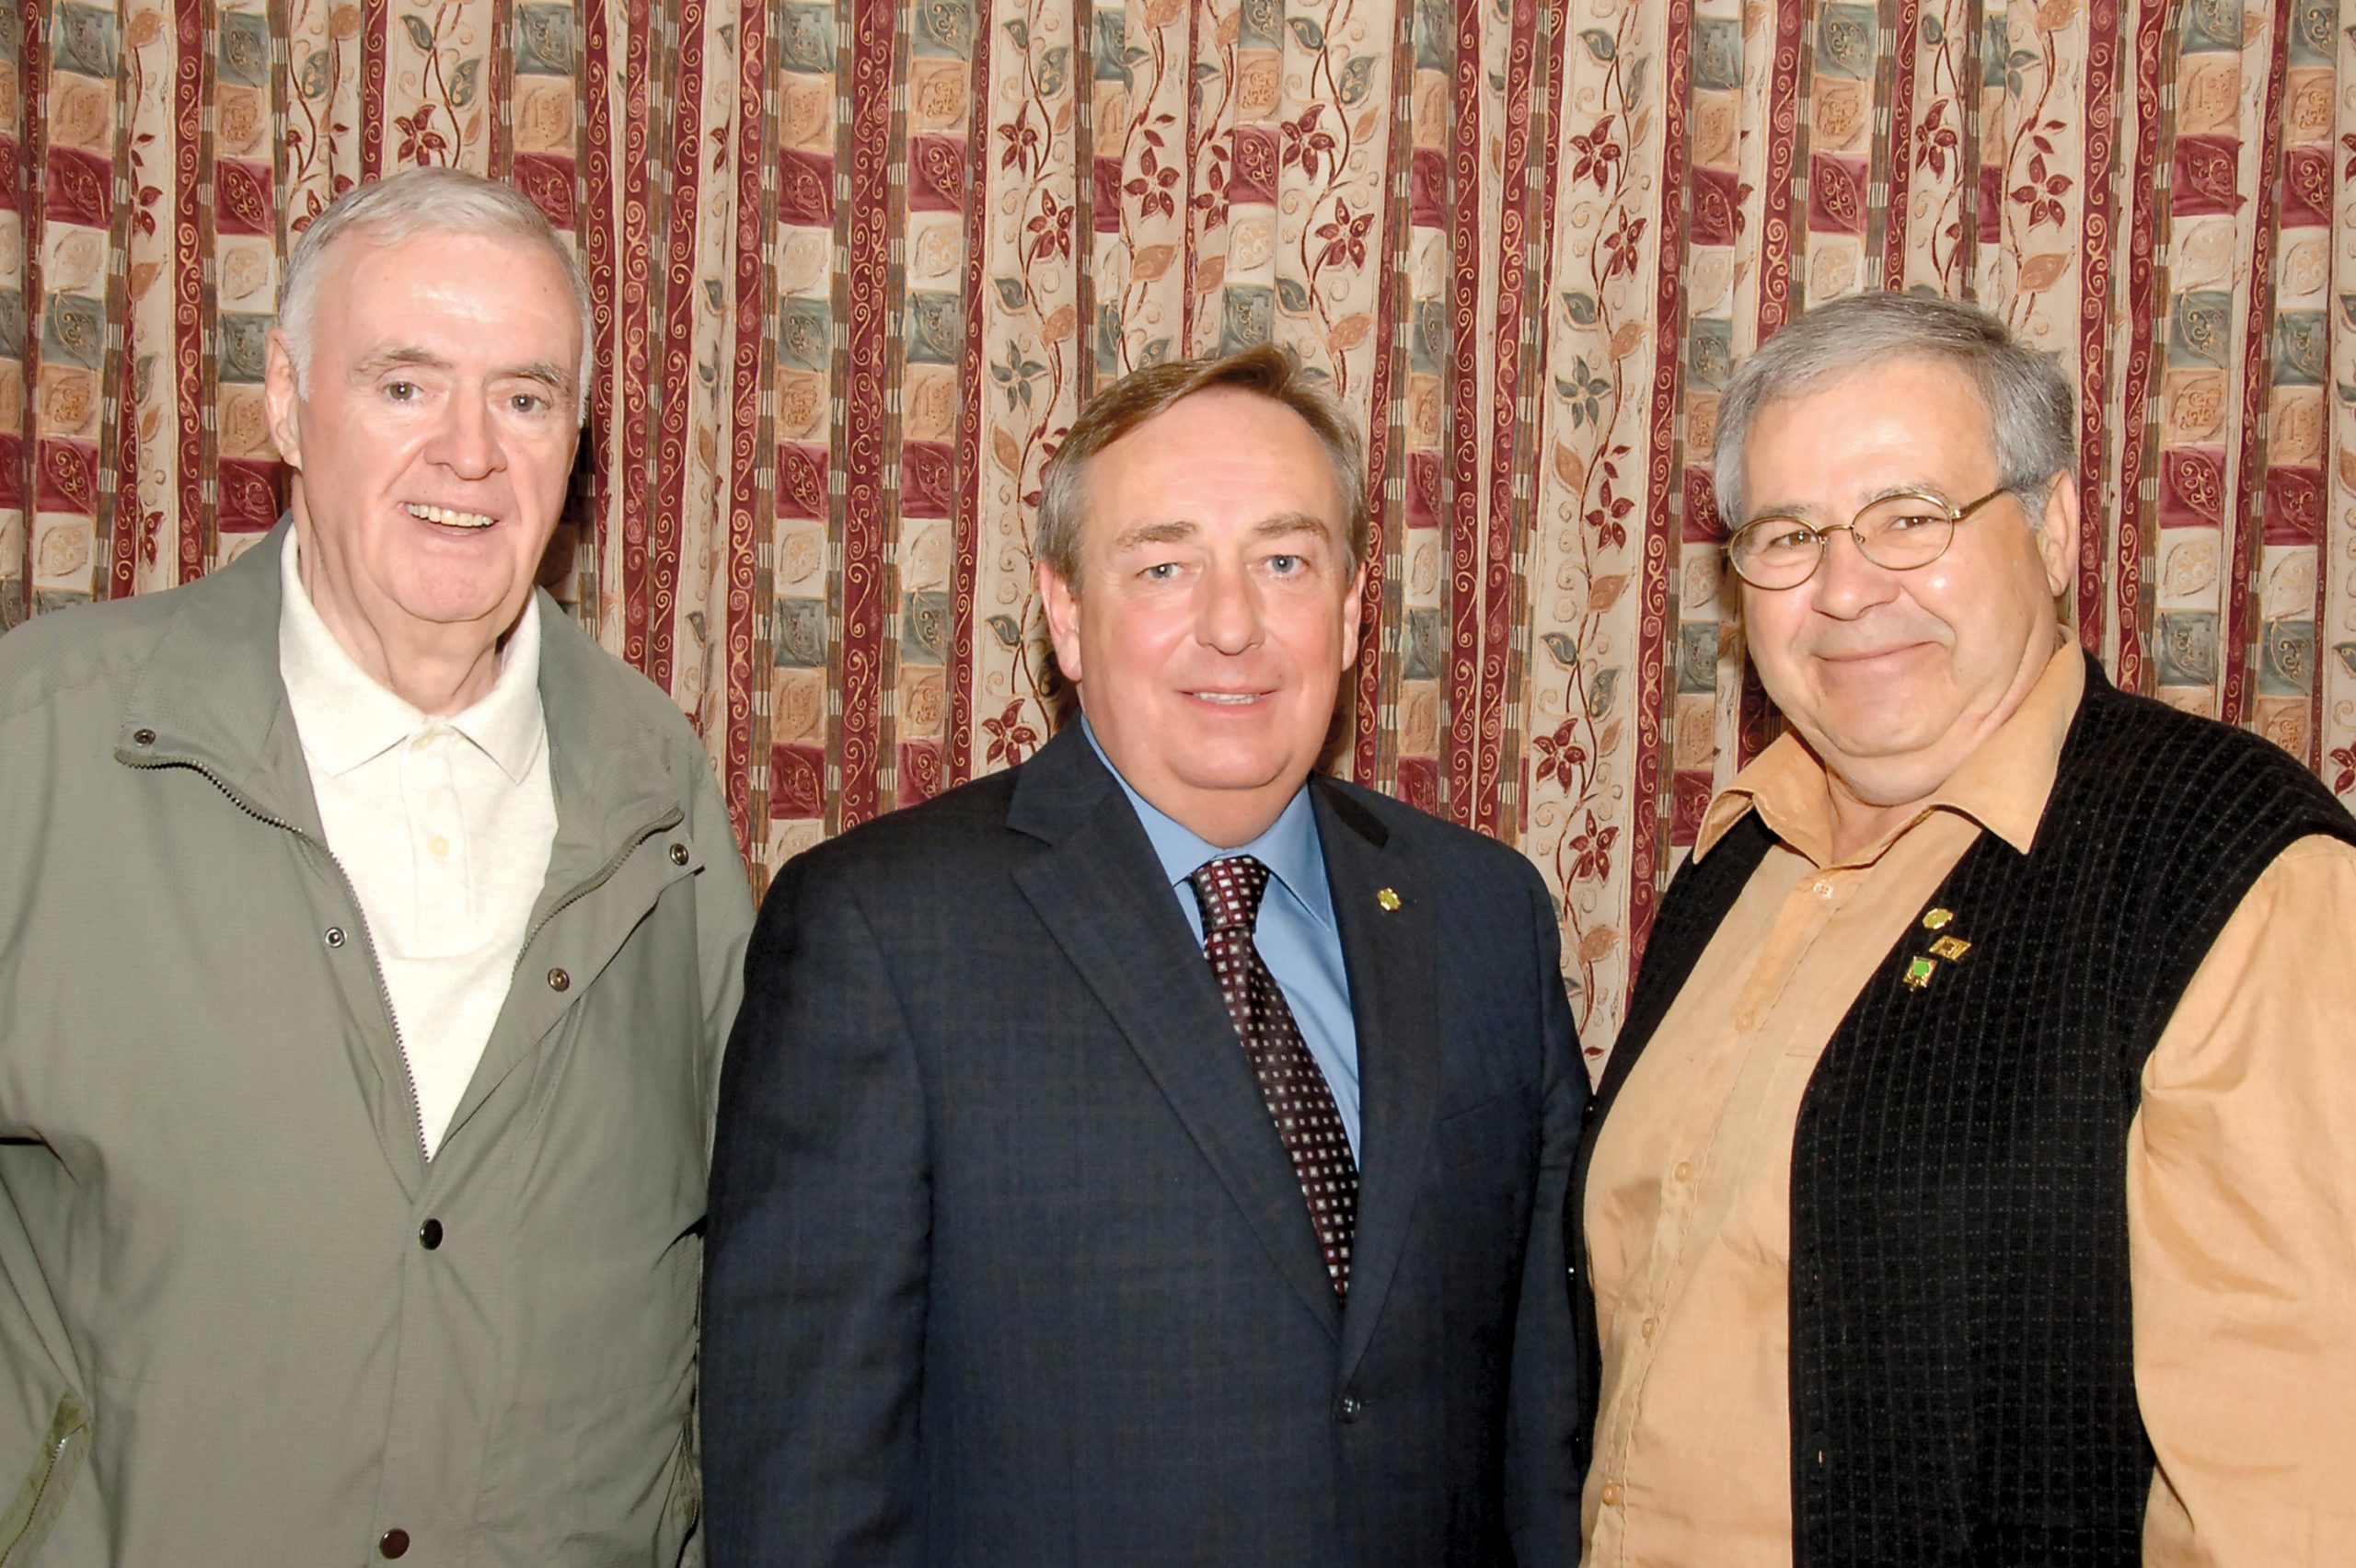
x,y
1867,655
1229,698
450,516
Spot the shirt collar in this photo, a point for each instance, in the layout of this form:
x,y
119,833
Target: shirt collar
x,y
1288,848
346,718
2002,786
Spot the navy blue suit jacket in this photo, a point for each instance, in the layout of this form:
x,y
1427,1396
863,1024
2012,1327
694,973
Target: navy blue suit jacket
x,y
1007,1266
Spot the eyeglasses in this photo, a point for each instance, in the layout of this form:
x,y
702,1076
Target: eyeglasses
x,y
1898,532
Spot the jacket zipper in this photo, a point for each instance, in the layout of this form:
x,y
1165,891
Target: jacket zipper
x,y
384,993
604,874
367,942
33,1528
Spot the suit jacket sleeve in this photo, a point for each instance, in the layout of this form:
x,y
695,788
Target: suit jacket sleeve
x,y
815,1292
1545,1401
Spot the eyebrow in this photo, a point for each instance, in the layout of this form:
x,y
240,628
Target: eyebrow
x,y
1904,487
1176,529
553,376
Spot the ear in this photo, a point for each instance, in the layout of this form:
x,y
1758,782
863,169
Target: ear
x,y
1353,615
2057,532
1063,620
279,397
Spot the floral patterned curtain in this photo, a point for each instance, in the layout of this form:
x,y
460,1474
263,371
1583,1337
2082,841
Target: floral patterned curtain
x,y
856,264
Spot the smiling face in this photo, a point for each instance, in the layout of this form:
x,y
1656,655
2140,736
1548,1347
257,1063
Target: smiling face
x,y
1214,611
1895,677
434,448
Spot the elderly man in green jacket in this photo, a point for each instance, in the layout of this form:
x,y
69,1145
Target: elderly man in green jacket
x,y
367,942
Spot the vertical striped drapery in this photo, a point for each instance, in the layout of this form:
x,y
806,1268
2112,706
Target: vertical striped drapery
x,y
856,264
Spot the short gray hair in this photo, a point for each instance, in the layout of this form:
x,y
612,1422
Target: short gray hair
x,y
2028,400
422,200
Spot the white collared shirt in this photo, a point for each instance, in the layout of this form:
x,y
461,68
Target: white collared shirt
x,y
443,827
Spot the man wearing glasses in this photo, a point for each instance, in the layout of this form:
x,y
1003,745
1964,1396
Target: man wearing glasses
x,y
1970,1182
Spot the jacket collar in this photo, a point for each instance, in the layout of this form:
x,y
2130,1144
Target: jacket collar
x,y
212,698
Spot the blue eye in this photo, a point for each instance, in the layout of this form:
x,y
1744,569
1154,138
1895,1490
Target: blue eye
x,y
1286,565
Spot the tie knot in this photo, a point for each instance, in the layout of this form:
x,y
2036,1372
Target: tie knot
x,y
1229,891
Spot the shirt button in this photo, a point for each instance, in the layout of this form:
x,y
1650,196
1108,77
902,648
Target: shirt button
x,y
1745,1020
422,742
1610,1496
1684,1171
559,981
439,845
429,1235
1823,888
393,1543
1648,1326
1348,1408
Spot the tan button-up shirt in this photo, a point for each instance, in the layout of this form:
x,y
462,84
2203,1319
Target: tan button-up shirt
x,y
2241,1182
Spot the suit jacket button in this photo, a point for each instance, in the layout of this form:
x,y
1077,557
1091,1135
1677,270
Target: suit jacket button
x,y
678,854
1348,1408
393,1543
559,981
429,1235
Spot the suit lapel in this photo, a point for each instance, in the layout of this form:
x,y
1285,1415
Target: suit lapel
x,y
1099,890
1392,955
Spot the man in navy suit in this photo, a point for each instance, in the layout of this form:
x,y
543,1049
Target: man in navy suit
x,y
1155,1154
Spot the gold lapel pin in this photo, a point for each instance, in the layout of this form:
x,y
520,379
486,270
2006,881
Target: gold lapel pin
x,y
1918,972
1950,947
1936,920
1388,898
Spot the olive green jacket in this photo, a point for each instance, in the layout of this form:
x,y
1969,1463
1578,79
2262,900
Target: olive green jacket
x,y
242,1319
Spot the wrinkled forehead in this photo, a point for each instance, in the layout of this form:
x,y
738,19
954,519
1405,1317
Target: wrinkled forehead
x,y
1933,393
438,257
1915,424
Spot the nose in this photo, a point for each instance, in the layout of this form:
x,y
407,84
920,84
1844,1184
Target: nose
x,y
1846,584
1227,615
467,442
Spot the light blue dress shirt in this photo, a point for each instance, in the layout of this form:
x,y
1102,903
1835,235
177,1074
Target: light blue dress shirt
x,y
1295,932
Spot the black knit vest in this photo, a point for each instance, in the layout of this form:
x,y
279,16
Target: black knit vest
x,y
1962,1374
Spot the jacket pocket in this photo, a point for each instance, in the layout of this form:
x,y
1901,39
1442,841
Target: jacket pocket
x,y
34,1509
1501,1129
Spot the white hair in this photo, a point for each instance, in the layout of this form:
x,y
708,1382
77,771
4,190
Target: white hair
x,y
422,200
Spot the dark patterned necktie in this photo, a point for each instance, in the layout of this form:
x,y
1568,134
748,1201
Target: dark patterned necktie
x,y
1297,1095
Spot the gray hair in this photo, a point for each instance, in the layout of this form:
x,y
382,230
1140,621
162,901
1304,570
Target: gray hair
x,y
2027,397
422,200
